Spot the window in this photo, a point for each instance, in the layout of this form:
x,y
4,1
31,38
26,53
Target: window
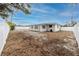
x,y
43,26
50,25
31,26
36,27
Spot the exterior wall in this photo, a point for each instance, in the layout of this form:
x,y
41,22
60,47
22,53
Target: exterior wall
x,y
38,29
41,29
57,27
47,28
53,29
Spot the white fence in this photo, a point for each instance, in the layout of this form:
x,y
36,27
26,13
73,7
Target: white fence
x,y
67,28
19,28
76,33
4,31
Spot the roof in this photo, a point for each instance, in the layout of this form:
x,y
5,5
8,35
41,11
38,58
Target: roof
x,y
45,24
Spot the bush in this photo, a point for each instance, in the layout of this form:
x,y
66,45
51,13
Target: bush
x,y
12,25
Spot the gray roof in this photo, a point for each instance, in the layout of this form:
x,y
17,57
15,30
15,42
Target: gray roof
x,y
45,24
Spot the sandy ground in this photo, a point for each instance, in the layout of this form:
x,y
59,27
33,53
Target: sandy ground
x,y
27,43
59,35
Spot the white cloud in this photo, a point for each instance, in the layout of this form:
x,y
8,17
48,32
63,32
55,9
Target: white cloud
x,y
69,13
65,13
40,10
46,11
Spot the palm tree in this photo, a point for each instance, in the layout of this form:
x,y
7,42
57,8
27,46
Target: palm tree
x,y
8,8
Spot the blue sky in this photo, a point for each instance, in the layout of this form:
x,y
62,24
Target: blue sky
x,y
47,13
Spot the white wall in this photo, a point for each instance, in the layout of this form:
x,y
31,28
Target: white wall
x,y
67,28
4,31
19,27
38,29
42,29
75,30
57,27
54,28
76,33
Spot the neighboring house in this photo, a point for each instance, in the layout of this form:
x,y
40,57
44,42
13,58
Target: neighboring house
x,y
45,27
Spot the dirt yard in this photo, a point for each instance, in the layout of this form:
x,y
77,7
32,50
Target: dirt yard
x,y
59,35
25,43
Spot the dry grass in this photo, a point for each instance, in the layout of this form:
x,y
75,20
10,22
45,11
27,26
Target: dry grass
x,y
21,43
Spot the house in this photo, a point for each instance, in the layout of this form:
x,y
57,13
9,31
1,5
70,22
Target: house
x,y
45,27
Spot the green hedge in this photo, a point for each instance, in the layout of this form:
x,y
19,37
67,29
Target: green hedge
x,y
12,25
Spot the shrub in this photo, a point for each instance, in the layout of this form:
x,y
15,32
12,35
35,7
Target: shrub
x,y
12,25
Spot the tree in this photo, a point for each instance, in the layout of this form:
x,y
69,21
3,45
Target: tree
x,y
70,23
9,8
